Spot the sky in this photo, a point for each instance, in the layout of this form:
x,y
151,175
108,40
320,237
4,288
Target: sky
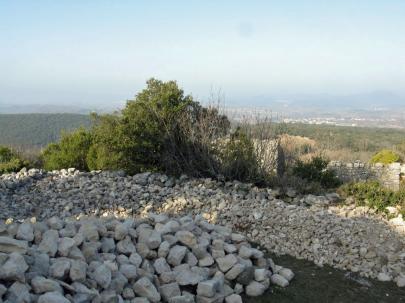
x,y
102,52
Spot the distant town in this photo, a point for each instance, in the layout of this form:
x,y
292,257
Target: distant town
x,y
363,118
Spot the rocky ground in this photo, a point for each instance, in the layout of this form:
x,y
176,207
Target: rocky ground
x,y
310,227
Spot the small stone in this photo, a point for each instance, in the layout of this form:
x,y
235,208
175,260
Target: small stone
x,y
121,231
246,276
182,299
383,277
169,291
144,288
186,238
129,271
255,289
234,298
207,288
102,275
52,297
14,268
9,245
135,259
226,262
261,274
107,245
60,268
163,249
78,269
238,238
234,272
176,255
65,245
206,261
126,246
188,277
279,280
154,240
161,265
286,273
89,231
18,292
42,285
25,232
401,281
49,243
245,252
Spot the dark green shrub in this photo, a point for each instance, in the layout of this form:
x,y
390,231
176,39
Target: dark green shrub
x,y
164,130
239,159
316,171
10,161
71,151
385,156
161,130
374,195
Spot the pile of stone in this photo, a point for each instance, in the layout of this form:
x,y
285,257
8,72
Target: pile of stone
x,y
312,227
151,259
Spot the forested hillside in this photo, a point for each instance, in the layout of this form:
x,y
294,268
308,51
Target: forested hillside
x,y
37,130
347,137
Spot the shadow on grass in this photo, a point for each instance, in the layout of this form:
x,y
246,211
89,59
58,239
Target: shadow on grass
x,y
328,285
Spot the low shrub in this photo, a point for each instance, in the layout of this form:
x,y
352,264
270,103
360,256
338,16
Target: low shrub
x,y
316,170
71,151
10,161
385,156
239,160
374,195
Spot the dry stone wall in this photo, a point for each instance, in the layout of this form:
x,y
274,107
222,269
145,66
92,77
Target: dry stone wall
x,y
389,175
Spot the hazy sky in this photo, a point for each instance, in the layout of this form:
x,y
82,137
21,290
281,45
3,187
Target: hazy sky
x,y
88,52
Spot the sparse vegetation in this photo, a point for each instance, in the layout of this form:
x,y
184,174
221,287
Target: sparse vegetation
x,y
385,156
71,151
316,170
10,161
374,195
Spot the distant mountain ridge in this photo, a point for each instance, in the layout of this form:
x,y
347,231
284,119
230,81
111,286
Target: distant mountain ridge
x,y
366,101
